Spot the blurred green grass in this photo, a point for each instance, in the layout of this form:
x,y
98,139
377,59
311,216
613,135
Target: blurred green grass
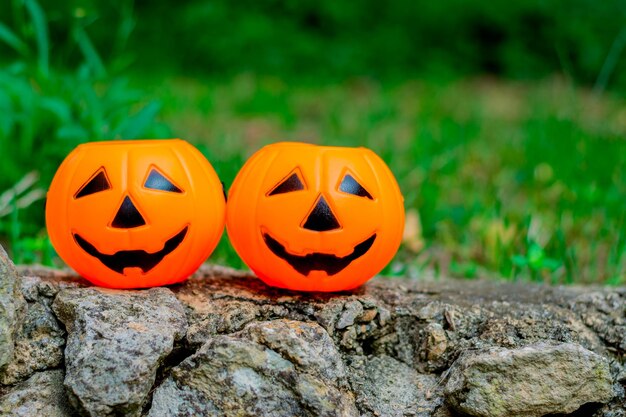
x,y
519,180
502,177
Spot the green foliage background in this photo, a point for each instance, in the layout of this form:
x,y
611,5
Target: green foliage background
x,y
524,39
504,122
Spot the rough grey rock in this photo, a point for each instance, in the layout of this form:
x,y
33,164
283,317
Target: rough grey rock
x,y
11,308
605,313
39,345
40,340
42,395
277,368
531,381
423,325
386,349
387,387
116,342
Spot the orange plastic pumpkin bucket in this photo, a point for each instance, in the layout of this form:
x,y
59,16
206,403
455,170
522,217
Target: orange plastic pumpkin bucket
x,y
315,218
133,214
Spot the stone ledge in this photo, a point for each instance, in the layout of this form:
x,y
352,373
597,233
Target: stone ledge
x,y
224,344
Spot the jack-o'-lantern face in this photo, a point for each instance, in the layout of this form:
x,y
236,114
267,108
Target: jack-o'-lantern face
x,y
315,218
131,214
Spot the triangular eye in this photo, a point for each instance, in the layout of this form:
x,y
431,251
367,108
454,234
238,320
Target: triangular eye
x,y
289,184
98,182
350,186
156,181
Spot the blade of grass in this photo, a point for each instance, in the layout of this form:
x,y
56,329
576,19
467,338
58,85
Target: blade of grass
x,y
132,127
610,62
126,26
88,50
10,38
41,33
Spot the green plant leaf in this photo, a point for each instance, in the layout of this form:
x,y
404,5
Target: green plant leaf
x,y
89,52
551,264
519,260
134,126
41,34
72,133
7,120
536,256
11,39
58,107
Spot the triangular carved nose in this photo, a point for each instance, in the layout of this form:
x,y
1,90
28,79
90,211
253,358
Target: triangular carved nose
x,y
321,218
128,216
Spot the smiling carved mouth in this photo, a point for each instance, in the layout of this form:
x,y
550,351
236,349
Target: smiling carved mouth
x,y
331,264
132,258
